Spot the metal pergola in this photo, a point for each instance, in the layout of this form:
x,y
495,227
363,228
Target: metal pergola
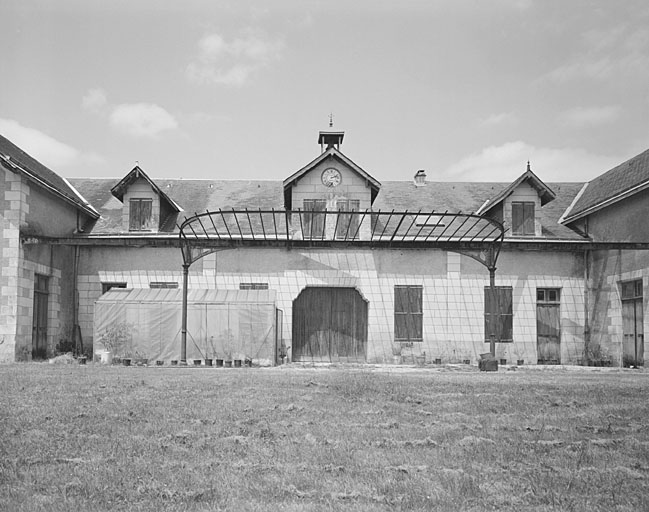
x,y
473,235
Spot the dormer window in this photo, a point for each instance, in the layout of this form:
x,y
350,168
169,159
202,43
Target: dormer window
x,y
523,218
140,214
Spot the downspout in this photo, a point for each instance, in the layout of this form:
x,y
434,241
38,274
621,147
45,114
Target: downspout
x,y
586,306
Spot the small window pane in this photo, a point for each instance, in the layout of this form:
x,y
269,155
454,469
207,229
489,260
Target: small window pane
x,y
540,295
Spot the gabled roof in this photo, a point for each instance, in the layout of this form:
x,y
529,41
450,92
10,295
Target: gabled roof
x,y
16,160
210,195
545,193
194,196
135,174
332,152
622,181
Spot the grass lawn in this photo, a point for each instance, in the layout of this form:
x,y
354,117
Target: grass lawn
x,y
114,438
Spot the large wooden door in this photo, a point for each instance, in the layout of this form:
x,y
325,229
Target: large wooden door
x,y
548,326
329,324
632,324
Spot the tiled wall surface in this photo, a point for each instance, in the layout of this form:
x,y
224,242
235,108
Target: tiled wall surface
x,y
453,303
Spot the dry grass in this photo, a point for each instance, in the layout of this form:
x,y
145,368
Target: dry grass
x,y
100,438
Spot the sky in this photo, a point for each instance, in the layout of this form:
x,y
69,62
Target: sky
x,y
237,89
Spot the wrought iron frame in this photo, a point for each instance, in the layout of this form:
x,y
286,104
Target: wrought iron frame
x,y
475,236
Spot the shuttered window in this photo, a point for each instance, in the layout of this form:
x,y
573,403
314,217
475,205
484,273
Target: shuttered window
x,y
408,313
313,223
347,223
499,320
140,214
523,218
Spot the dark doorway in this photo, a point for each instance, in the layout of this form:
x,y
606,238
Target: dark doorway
x,y
39,324
548,325
329,324
632,324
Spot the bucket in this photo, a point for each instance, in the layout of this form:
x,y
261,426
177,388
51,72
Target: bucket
x,y
105,357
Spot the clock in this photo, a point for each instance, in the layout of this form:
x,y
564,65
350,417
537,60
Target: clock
x,y
331,177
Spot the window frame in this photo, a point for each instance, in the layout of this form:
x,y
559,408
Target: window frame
x,y
508,317
527,224
409,317
136,222
107,286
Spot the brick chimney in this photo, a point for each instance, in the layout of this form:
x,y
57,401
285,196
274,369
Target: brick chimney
x,y
420,178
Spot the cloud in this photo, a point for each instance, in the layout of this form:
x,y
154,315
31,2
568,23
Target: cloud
x,y
94,100
500,119
231,62
616,53
580,117
141,119
47,150
507,162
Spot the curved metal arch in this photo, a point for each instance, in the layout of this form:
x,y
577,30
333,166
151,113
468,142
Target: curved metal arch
x,y
473,235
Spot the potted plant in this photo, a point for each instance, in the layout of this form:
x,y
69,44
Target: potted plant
x,y
501,354
396,353
520,361
466,358
115,339
197,362
159,363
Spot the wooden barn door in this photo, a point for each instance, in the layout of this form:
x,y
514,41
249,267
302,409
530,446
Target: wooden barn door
x,y
329,324
39,324
548,326
632,324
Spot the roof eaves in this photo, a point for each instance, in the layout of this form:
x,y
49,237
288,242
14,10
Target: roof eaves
x,y
80,203
138,172
566,214
603,204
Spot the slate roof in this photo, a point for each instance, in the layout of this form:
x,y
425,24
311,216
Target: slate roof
x,y
38,173
546,194
611,186
197,196
193,196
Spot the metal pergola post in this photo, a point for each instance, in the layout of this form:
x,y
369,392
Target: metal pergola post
x,y
183,331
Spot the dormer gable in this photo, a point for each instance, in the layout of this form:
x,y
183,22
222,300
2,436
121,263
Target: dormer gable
x,y
330,175
146,208
518,205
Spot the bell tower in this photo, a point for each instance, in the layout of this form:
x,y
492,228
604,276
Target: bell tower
x,y
330,138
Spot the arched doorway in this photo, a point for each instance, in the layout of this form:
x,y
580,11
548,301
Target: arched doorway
x,y
330,324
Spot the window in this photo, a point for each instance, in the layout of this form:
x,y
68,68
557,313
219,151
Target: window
x,y
408,313
632,289
107,286
498,314
253,286
313,223
347,223
140,214
548,295
163,284
523,218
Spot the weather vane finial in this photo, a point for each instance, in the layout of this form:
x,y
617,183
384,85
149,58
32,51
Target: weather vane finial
x,y
331,120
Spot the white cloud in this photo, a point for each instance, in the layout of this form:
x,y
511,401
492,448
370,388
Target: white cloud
x,y
231,62
580,117
47,150
94,100
500,119
142,119
507,162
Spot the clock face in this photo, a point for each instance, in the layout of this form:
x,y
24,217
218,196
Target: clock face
x,y
331,177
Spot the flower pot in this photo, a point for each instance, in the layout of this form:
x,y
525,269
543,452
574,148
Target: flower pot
x,y
227,364
466,361
219,363
197,362
159,363
208,362
174,362
520,362
438,360
503,361
126,361
237,363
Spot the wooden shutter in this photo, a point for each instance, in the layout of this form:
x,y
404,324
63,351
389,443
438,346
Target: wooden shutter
x,y
502,319
408,314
